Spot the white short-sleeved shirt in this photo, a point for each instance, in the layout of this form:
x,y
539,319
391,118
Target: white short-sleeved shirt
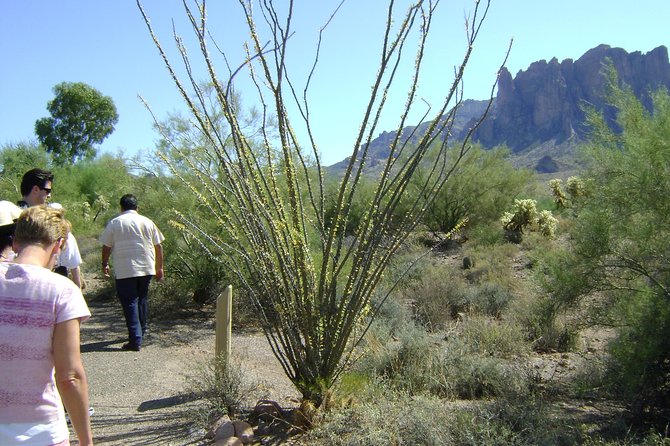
x,y
133,238
70,257
32,301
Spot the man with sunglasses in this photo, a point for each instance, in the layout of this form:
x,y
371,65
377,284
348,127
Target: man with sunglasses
x,y
36,190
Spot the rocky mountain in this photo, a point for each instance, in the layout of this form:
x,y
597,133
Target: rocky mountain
x,y
539,113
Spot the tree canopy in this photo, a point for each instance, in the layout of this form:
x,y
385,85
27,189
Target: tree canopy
x,y
620,242
81,117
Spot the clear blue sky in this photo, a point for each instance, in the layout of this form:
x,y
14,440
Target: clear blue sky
x,y
105,44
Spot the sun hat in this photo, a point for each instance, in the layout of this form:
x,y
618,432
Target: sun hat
x,y
9,212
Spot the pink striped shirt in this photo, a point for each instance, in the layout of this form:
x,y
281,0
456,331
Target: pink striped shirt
x,y
32,301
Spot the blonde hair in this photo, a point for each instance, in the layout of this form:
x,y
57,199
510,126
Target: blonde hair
x,y
41,225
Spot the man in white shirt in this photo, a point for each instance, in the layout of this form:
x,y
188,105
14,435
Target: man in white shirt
x,y
134,243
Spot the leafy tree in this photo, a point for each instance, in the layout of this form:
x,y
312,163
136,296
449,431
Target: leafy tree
x,y
311,283
621,239
90,190
482,186
81,117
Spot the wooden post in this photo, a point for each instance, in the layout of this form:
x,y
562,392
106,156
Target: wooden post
x,y
224,326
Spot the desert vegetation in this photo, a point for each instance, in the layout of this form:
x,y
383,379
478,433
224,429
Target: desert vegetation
x,y
448,299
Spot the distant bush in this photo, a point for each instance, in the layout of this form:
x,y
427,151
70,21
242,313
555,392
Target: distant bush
x,y
484,184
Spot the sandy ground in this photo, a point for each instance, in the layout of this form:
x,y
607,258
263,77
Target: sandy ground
x,y
145,398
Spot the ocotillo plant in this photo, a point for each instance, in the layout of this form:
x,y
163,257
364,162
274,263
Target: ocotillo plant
x,y
311,283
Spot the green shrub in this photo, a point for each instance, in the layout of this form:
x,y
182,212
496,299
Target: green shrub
x,y
486,235
641,357
222,389
443,294
409,364
388,417
545,329
499,338
384,418
488,299
438,296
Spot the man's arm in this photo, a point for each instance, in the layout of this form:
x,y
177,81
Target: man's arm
x,y
106,251
159,261
71,378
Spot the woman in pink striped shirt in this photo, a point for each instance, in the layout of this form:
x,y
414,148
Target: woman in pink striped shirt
x,y
40,313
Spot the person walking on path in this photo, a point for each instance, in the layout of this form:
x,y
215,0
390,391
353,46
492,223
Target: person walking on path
x,y
36,186
134,243
39,339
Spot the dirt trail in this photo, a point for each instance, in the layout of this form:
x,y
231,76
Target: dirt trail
x,y
143,398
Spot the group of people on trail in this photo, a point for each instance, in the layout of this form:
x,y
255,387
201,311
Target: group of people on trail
x,y
42,307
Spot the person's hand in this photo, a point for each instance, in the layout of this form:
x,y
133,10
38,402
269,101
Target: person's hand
x,y
159,274
105,270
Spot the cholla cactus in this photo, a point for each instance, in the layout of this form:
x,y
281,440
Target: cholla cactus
x,y
526,216
86,210
100,204
559,197
546,224
576,188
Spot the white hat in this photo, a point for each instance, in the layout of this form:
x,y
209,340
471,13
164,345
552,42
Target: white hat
x,y
9,212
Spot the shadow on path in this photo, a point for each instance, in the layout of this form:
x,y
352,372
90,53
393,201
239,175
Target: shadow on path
x,y
101,346
146,429
171,401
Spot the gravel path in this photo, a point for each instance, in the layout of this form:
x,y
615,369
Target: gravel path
x,y
143,398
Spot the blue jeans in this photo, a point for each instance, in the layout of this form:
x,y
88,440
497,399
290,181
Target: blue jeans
x,y
133,294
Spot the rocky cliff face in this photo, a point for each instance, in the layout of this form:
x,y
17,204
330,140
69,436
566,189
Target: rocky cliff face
x,y
539,113
545,102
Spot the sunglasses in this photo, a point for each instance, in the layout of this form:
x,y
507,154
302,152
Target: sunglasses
x,y
46,189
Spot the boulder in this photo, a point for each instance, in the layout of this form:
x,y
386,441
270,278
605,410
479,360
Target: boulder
x,y
230,441
243,431
224,431
213,427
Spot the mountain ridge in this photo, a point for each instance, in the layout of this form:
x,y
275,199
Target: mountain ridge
x,y
539,112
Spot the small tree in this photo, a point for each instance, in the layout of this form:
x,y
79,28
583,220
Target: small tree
x,y
81,117
311,283
620,242
483,185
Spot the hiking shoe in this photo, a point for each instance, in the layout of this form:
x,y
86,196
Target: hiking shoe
x,y
131,347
